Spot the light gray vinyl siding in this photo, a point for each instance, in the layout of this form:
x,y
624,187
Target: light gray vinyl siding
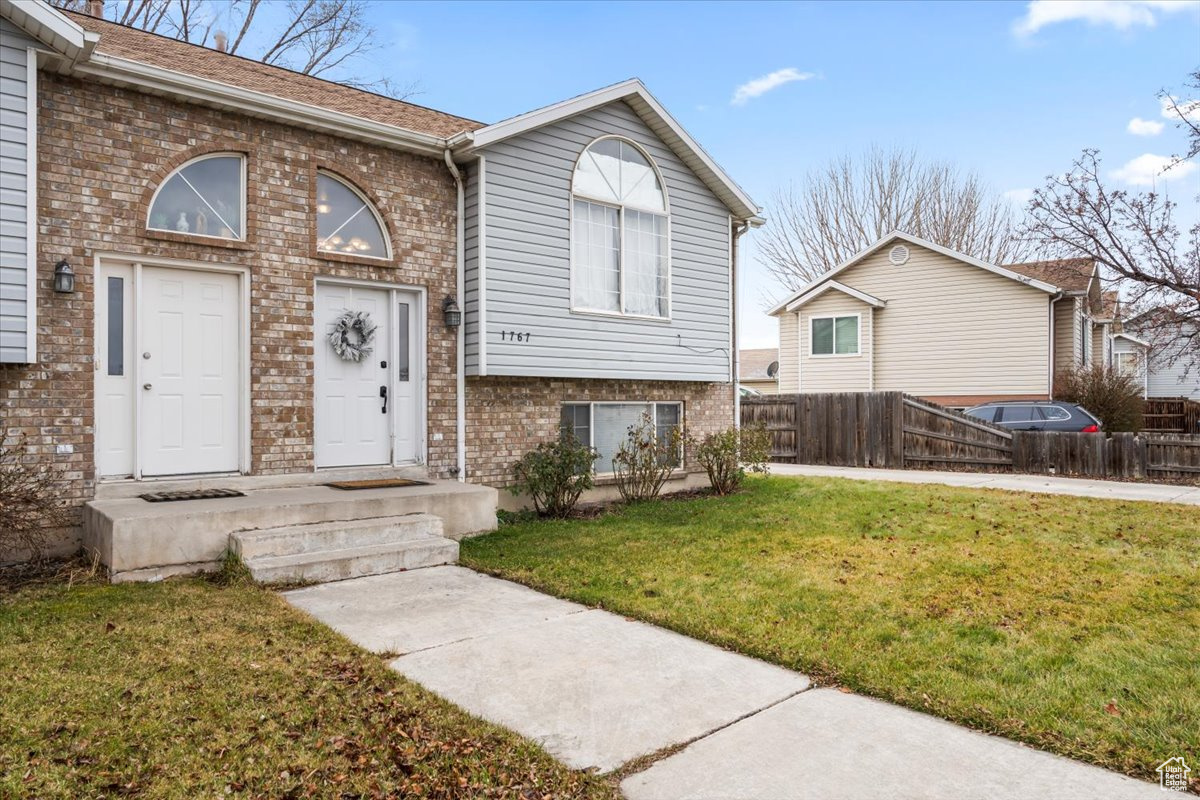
x,y
527,241
471,270
15,170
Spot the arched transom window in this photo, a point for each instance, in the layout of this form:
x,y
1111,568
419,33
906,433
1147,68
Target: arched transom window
x,y
204,197
619,232
346,222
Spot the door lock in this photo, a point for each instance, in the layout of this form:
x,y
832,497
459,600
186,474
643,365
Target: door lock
x,y
383,394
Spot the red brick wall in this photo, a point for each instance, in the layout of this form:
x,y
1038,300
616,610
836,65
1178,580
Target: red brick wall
x,y
102,151
507,417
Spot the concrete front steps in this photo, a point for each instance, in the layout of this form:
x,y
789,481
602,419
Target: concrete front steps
x,y
140,541
334,551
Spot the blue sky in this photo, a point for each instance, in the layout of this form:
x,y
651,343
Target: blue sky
x,y
1011,90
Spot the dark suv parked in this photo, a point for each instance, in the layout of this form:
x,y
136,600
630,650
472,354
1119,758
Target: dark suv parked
x,y
1039,416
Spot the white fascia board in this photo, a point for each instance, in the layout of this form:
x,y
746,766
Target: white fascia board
x,y
1133,339
919,242
835,286
48,25
224,95
645,105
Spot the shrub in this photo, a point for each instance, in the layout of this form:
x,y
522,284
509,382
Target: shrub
x,y
30,504
645,460
727,455
555,475
1115,398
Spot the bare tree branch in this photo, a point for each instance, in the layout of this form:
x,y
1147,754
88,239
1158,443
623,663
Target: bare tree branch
x,y
850,203
317,37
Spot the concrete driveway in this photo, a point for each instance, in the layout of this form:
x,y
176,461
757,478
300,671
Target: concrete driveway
x,y
1044,484
598,691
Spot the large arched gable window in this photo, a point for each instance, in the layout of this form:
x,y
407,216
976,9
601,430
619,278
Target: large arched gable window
x,y
620,232
347,223
204,197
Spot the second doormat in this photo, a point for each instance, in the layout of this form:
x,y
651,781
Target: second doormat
x,y
380,483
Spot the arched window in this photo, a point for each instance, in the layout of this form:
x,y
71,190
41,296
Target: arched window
x,y
204,197
619,232
347,223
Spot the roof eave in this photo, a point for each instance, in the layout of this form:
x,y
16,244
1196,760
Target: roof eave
x,y
51,27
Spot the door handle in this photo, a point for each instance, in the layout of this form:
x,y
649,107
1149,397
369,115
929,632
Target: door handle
x,y
147,386
383,394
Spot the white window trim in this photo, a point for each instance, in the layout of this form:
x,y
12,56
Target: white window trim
x,y
654,404
383,229
858,342
666,214
243,191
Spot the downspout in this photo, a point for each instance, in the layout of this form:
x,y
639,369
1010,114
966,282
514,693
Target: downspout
x,y
460,375
1053,335
735,357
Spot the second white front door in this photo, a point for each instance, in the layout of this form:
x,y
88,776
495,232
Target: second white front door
x,y
365,411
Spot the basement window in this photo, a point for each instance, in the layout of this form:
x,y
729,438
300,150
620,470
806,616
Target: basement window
x,y
604,426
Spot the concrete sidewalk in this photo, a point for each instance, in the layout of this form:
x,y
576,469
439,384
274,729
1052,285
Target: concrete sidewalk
x,y
1047,484
598,691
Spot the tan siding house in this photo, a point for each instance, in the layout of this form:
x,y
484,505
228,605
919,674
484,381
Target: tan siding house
x,y
938,324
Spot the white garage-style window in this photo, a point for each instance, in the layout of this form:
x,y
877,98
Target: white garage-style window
x,y
834,336
620,233
347,223
204,197
604,426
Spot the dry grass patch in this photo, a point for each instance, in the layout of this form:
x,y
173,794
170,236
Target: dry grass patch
x,y
187,689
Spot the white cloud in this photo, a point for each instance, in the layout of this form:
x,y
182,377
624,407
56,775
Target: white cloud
x,y
1149,169
1019,197
1144,127
760,86
1189,108
1120,14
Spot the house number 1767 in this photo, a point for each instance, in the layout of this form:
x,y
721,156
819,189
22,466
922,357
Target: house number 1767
x,y
515,336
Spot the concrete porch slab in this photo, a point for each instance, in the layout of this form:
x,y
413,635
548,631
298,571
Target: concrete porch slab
x,y
137,538
408,611
826,745
598,690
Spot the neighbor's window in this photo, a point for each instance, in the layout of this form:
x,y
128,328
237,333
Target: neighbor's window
x,y
204,197
604,426
619,232
834,336
1127,364
346,222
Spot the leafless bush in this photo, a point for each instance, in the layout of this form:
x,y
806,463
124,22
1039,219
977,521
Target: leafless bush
x,y
30,498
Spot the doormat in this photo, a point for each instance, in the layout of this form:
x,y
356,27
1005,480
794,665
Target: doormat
x,y
380,483
198,494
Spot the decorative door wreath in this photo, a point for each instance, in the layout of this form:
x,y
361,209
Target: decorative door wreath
x,y
353,335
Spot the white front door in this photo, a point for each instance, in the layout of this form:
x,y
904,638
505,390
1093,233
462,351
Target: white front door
x,y
189,351
352,398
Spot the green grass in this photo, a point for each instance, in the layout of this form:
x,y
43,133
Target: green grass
x,y
1072,624
186,689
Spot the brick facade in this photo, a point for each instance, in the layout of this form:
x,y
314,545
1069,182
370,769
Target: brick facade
x,y
507,417
101,152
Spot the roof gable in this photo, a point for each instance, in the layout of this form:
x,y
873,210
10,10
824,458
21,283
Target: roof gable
x,y
895,236
835,286
647,107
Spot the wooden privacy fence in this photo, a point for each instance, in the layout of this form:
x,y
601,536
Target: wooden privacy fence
x,y
894,430
1171,415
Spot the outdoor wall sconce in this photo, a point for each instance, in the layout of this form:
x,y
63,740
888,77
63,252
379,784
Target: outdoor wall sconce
x,y
451,312
64,278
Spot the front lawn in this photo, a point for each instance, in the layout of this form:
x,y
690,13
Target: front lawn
x,y
184,689
1069,623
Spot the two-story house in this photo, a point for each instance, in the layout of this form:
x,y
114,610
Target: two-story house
x,y
215,267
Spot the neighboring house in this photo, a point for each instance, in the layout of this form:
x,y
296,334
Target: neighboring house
x,y
1162,371
909,315
758,369
220,216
